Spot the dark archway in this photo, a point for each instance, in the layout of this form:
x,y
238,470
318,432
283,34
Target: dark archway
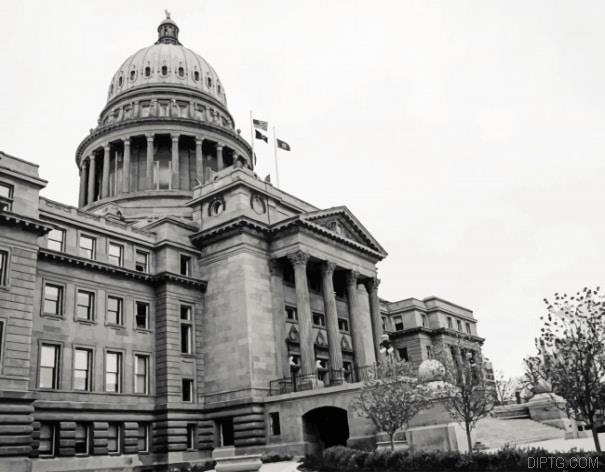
x,y
325,427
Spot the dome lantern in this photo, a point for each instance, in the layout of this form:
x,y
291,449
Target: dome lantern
x,y
168,31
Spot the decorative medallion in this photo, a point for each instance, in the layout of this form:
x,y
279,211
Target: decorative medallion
x,y
258,204
293,335
216,207
320,340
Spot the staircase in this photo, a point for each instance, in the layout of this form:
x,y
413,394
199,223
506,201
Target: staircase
x,y
497,432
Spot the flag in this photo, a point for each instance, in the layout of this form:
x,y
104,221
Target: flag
x,y
259,135
283,145
264,125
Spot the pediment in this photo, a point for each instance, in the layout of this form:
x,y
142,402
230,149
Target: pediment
x,y
342,223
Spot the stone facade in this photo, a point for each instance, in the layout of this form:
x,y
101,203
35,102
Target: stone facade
x,y
184,304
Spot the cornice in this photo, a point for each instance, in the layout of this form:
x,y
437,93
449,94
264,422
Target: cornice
x,y
28,224
434,332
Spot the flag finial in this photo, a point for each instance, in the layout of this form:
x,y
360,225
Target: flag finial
x,y
167,14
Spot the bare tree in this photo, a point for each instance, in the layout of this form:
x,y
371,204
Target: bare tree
x,y
391,396
504,388
571,354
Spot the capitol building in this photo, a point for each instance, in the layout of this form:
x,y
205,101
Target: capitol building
x,y
185,303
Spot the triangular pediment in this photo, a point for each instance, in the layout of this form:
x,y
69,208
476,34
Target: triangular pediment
x,y
342,223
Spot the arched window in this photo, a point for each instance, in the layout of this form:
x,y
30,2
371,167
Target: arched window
x,y
147,71
209,82
196,76
218,88
164,70
120,81
181,72
132,74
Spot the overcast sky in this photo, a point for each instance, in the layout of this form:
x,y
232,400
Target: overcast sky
x,y
466,135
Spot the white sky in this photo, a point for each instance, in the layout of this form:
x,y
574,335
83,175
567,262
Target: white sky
x,y
466,135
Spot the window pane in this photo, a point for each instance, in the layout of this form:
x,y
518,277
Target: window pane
x,y
81,360
142,319
55,239
48,356
185,312
6,190
112,362
142,437
45,446
185,338
141,261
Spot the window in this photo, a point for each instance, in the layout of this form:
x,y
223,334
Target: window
x,y
403,354
275,426
115,255
191,430
83,438
319,319
132,74
87,247
56,238
291,313
468,328
181,72
120,80
343,324
164,70
141,262
85,305
225,431
53,300
3,268
147,71
429,352
186,330
143,437
459,324
141,374
114,438
209,82
196,76
425,322
348,371
384,323
48,439
142,315
1,342
6,197
450,325
321,366
115,311
398,321
113,372
218,88
82,370
288,274
187,390
49,366
185,265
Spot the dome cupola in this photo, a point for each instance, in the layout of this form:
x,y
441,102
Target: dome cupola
x,y
168,31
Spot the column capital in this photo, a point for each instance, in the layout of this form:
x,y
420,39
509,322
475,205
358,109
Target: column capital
x,y
126,141
352,277
219,146
372,283
299,258
199,139
175,136
106,147
91,158
328,268
149,136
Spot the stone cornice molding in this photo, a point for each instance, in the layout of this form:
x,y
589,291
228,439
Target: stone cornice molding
x,y
28,224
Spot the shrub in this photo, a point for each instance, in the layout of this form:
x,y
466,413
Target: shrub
x,y
275,458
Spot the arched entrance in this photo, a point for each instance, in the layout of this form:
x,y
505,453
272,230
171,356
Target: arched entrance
x,y
325,427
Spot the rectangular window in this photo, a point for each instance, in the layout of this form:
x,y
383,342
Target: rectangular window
x,y
468,328
398,321
185,265
425,321
115,311
141,374
56,240
459,324
82,369
48,439
142,315
6,197
343,324
191,433
53,300
225,432
187,390
3,268
116,254
403,354
186,330
113,372
83,438
384,323
429,352
114,438
85,305
319,319
143,437
1,342
49,366
348,371
87,247
275,425
450,325
141,262
291,313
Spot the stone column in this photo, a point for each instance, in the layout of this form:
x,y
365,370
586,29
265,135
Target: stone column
x,y
327,288
175,161
126,166
303,307
364,355
91,178
279,318
372,287
149,167
83,172
105,177
199,159
220,163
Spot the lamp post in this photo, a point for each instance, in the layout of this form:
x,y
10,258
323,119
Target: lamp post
x,y
386,347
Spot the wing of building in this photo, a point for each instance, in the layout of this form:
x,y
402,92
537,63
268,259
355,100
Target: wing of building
x,y
185,303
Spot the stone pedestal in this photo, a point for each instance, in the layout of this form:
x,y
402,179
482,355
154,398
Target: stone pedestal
x,y
433,430
549,409
227,461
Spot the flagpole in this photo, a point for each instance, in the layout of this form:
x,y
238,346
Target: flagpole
x,y
275,157
252,136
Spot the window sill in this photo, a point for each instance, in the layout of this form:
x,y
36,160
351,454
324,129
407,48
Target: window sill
x,y
143,330
188,355
52,316
85,322
115,326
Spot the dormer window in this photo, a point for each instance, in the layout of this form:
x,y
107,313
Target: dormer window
x,y
196,76
209,82
132,74
181,72
218,88
164,70
147,71
120,80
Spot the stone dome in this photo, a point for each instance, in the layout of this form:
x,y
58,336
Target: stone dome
x,y
431,370
167,63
